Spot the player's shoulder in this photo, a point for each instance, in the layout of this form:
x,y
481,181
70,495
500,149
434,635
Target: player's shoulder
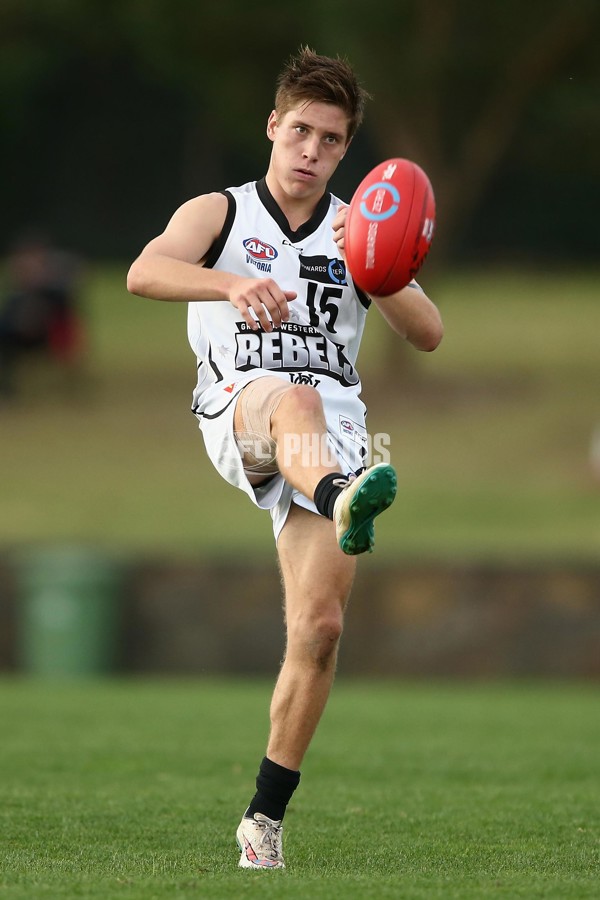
x,y
220,201
206,213
215,200
204,207
242,190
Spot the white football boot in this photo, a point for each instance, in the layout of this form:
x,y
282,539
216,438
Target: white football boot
x,y
260,843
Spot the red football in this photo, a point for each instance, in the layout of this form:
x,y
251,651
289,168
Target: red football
x,y
389,227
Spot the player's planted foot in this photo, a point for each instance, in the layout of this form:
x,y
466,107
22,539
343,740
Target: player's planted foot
x,y
358,504
260,843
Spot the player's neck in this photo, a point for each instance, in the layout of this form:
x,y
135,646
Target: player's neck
x,y
297,210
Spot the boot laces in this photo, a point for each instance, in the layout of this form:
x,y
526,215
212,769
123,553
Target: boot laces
x,y
270,837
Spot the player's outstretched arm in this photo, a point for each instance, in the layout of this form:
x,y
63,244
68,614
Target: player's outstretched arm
x,y
413,316
171,267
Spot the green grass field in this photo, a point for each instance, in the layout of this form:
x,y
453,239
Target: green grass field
x,y
491,434
133,790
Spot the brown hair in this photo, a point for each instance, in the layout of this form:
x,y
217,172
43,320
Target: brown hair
x,y
309,77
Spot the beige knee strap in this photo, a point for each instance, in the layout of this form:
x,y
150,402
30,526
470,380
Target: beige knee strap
x,y
258,402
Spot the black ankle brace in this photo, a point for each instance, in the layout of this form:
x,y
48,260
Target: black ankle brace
x,y
327,491
275,785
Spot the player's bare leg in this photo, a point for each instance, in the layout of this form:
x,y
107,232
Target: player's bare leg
x,y
317,567
317,578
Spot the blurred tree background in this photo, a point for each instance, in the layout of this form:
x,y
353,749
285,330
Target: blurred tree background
x,y
115,111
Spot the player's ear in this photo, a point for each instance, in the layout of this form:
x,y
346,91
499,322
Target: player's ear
x,y
272,125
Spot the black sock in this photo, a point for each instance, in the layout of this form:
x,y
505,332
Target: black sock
x,y
274,787
327,491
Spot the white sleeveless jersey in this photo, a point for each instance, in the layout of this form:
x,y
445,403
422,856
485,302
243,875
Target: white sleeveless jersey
x,y
319,344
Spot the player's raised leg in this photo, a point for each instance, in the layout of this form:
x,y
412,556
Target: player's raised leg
x,y
317,578
299,424
294,421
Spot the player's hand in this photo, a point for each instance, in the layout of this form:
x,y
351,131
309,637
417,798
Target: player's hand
x,y
339,230
265,298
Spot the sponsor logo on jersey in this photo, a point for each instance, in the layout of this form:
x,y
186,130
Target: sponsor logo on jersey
x,y
323,269
259,253
304,378
354,430
292,348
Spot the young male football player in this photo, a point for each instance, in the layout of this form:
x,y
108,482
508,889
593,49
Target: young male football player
x,y
275,322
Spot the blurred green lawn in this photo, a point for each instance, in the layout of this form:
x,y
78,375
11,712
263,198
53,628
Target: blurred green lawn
x,y
491,434
133,789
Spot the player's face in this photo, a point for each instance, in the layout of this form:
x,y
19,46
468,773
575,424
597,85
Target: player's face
x,y
308,144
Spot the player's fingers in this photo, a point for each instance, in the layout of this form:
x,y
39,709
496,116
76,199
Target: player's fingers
x,y
260,311
268,303
340,219
340,240
276,302
341,244
249,305
247,316
284,309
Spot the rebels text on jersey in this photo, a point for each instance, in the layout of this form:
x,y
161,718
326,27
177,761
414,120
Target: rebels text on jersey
x,y
319,344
